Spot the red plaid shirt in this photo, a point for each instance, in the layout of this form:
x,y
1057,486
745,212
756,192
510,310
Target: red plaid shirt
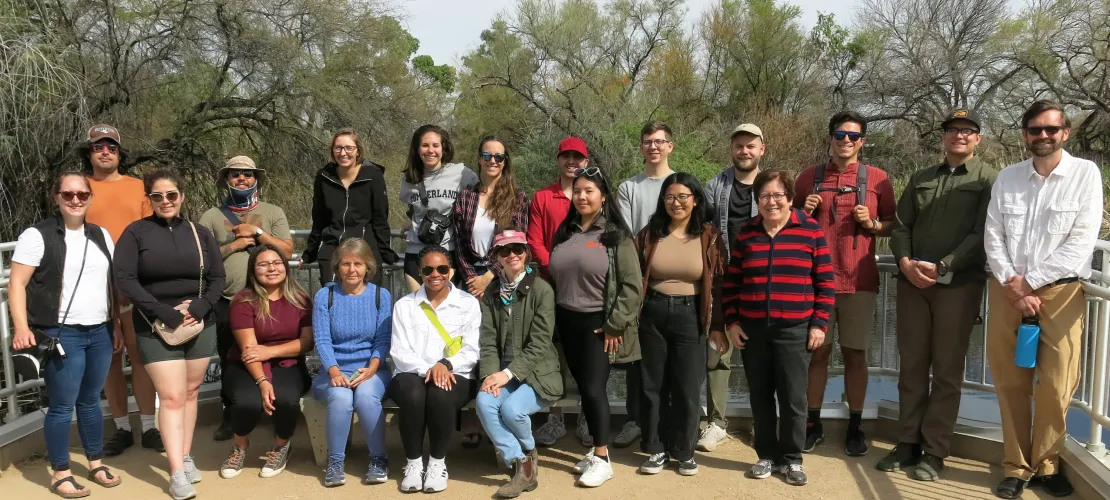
x,y
466,208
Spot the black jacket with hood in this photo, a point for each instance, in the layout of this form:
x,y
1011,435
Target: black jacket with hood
x,y
361,210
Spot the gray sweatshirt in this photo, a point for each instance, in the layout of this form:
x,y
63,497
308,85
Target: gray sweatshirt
x,y
638,198
443,186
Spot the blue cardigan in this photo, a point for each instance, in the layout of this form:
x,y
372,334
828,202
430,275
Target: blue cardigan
x,y
352,332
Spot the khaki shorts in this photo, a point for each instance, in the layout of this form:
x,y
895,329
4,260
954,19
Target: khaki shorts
x,y
854,317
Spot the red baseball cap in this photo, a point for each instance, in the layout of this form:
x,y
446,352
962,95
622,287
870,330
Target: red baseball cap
x,y
573,144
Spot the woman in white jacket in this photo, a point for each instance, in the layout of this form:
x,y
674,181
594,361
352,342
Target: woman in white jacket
x,y
434,351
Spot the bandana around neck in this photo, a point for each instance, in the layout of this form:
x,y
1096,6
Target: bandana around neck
x,y
509,287
243,199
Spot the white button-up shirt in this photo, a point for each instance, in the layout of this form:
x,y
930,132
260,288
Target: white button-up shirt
x,y
1044,228
417,346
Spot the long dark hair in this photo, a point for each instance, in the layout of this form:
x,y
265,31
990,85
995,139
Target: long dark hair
x,y
615,228
660,221
291,291
503,201
414,166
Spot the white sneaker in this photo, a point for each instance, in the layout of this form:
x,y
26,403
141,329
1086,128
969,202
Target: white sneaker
x,y
597,473
413,477
628,435
711,437
435,479
552,430
584,464
583,431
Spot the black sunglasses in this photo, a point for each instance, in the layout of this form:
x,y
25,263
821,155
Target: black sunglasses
x,y
233,173
515,248
100,146
70,195
852,136
499,158
1036,131
588,172
442,270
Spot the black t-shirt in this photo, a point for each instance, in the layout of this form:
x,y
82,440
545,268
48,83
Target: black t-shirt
x,y
739,208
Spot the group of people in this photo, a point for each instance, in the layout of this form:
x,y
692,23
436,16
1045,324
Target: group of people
x,y
659,277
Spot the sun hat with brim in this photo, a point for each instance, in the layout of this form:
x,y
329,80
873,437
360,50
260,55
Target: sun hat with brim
x,y
508,237
241,163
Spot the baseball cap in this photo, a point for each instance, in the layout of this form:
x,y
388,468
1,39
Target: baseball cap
x,y
748,128
573,144
961,114
508,237
103,131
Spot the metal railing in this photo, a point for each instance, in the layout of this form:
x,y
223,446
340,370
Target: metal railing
x,y
1092,397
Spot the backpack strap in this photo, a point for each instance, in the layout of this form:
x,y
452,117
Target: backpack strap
x,y
861,184
377,296
230,216
818,178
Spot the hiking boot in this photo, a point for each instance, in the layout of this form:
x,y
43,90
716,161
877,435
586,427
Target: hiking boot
x,y
815,435
654,464
333,475
928,469
276,460
1054,484
628,435
119,441
795,474
583,431
903,456
223,432
153,439
180,487
688,467
552,430
233,464
378,472
524,478
191,470
711,437
855,444
762,469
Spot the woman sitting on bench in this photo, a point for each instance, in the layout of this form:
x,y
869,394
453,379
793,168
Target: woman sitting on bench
x,y
434,350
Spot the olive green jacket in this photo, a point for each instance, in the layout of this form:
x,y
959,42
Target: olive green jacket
x,y
623,296
528,324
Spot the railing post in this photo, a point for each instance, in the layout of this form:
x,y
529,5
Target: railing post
x,y
5,349
1098,387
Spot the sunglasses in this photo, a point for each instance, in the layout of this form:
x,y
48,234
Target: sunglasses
x,y
963,132
588,172
100,146
442,270
170,196
249,174
515,248
499,158
80,195
1036,131
852,136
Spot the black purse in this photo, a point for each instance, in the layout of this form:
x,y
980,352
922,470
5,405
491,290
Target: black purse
x,y
434,224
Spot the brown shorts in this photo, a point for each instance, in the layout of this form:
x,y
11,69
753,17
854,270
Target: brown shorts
x,y
854,318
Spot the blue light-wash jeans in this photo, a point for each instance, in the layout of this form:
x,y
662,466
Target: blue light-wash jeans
x,y
76,381
366,399
507,418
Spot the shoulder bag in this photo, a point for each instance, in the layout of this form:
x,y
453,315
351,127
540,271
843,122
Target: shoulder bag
x,y
181,334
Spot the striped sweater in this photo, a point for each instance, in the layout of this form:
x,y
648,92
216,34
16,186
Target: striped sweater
x,y
785,280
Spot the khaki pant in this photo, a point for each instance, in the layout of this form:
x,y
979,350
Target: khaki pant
x,y
934,328
719,369
854,317
1057,377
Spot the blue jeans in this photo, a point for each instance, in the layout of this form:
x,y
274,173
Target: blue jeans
x,y
366,399
77,381
507,418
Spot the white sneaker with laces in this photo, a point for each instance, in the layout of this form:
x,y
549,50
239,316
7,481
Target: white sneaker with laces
x,y
435,478
551,431
599,471
711,437
583,464
413,476
583,431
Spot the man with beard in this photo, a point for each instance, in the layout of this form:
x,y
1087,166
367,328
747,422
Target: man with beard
x,y
732,204
119,201
1042,223
242,222
939,249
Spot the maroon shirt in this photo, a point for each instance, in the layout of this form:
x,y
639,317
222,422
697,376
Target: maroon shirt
x,y
853,252
284,325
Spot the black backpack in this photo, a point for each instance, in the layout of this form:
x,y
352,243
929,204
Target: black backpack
x,y
860,189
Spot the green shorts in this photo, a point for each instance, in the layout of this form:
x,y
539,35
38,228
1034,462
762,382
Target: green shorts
x,y
153,349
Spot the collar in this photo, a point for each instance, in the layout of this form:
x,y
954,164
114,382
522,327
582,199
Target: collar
x,y
1064,169
157,219
831,165
555,190
795,219
452,296
598,224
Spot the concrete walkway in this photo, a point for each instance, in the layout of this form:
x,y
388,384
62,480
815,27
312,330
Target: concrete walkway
x,y
473,475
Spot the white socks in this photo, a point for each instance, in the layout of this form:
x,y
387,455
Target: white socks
x,y
148,422
123,423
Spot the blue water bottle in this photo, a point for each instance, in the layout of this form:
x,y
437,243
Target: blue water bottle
x,y
1028,334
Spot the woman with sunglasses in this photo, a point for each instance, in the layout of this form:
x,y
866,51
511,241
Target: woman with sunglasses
x,y
172,272
682,311
271,320
597,295
352,324
61,291
434,350
481,211
519,364
348,201
429,188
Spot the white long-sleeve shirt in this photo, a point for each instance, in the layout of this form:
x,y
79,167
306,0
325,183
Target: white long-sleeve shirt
x,y
416,344
1044,228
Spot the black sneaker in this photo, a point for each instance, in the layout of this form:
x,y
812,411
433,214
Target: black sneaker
x,y
1011,487
903,456
929,468
855,445
223,432
120,441
654,464
688,467
1054,484
815,435
153,439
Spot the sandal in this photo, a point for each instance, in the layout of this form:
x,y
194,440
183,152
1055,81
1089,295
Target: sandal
x,y
112,479
471,440
81,492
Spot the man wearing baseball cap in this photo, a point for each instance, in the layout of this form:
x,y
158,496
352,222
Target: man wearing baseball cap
x,y
548,209
241,222
120,200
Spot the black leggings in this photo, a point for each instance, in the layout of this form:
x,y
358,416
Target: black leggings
x,y
424,406
246,399
589,365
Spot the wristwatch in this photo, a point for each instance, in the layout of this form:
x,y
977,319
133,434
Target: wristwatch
x,y
874,225
942,268
446,364
258,232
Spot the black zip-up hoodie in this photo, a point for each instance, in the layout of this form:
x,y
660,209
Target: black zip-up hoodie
x,y
338,213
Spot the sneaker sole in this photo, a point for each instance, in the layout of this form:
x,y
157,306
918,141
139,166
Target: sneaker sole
x,y
230,473
651,471
850,454
185,497
433,490
815,445
412,489
687,472
759,476
711,446
332,485
265,475
376,480
797,483
586,485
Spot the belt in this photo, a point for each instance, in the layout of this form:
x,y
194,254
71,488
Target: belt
x,y
1064,281
679,299
83,328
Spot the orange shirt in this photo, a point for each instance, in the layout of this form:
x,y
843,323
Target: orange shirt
x,y
118,203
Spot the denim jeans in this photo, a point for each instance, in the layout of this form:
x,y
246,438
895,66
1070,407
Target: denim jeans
x,y
366,399
77,381
674,354
507,418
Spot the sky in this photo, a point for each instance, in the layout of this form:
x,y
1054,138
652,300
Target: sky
x,y
448,29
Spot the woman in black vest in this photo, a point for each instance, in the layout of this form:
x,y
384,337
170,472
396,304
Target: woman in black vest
x,y
61,291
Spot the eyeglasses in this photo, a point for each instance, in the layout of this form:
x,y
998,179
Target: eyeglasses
x,y
852,136
442,270
588,172
681,198
515,248
70,195
231,174
267,265
772,196
100,146
495,157
170,196
344,149
654,142
964,132
1036,131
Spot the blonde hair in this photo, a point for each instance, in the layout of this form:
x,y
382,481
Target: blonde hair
x,y
360,250
291,291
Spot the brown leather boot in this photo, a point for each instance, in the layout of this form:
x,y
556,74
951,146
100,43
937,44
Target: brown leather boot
x,y
524,479
534,455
